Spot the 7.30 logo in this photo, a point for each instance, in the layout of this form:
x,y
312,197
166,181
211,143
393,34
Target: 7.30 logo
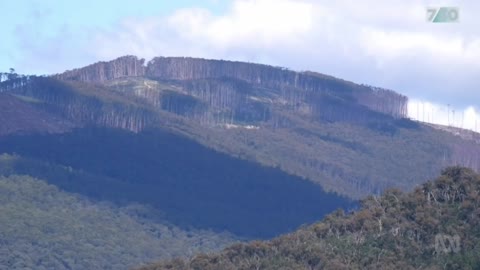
x,y
442,14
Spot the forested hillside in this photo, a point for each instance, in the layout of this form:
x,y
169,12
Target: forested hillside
x,y
43,227
433,227
210,151
193,186
349,138
19,116
289,82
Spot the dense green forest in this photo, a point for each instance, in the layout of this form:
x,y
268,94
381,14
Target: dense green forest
x,y
43,227
433,227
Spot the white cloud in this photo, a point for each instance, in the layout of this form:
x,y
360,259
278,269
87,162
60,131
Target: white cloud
x,y
377,32
248,25
253,23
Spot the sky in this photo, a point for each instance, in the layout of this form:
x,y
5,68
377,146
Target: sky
x,y
389,44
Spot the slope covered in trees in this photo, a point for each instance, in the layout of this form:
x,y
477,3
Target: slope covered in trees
x,y
348,138
433,227
18,115
193,186
216,145
43,227
281,79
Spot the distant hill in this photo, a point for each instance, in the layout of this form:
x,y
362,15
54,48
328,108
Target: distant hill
x,y
349,138
433,227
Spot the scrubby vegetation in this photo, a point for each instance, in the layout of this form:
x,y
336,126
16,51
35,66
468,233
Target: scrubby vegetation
x,y
433,227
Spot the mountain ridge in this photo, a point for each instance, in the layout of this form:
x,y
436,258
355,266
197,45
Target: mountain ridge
x,y
326,130
188,68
